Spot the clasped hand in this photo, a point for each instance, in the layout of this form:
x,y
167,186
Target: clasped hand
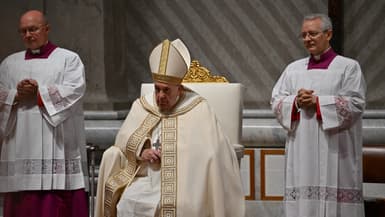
x,y
306,99
151,155
26,89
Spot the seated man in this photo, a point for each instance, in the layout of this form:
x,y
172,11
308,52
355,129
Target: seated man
x,y
170,156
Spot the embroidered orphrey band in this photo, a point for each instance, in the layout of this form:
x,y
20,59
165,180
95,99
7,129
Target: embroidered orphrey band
x,y
168,197
116,184
178,112
164,57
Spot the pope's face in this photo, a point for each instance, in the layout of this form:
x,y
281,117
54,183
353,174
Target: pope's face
x,y
167,95
315,39
33,30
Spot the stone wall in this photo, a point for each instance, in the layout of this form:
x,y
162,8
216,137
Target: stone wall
x,y
249,42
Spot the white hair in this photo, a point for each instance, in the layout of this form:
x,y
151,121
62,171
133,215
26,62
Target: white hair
x,y
326,23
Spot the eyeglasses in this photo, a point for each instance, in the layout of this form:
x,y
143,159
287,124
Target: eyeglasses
x,y
311,34
31,30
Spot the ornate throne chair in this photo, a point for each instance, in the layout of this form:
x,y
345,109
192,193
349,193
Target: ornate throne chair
x,y
224,98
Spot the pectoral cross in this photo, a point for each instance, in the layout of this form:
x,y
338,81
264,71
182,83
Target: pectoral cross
x,y
157,144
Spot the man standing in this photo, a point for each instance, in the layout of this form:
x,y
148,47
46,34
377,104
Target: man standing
x,y
43,158
319,100
170,156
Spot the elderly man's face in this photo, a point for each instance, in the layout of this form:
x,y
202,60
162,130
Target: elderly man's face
x,y
167,95
315,40
33,30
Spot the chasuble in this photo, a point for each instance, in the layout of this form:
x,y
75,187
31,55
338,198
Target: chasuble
x,y
198,174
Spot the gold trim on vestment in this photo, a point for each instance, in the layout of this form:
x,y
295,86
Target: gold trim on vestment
x,y
116,184
179,111
164,57
166,78
168,198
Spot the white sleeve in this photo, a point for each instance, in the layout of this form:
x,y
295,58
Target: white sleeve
x,y
59,99
7,97
282,101
342,109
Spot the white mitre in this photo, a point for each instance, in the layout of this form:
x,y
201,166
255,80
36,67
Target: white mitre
x,y
169,62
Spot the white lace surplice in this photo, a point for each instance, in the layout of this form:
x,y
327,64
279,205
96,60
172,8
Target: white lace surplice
x,y
43,148
323,158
